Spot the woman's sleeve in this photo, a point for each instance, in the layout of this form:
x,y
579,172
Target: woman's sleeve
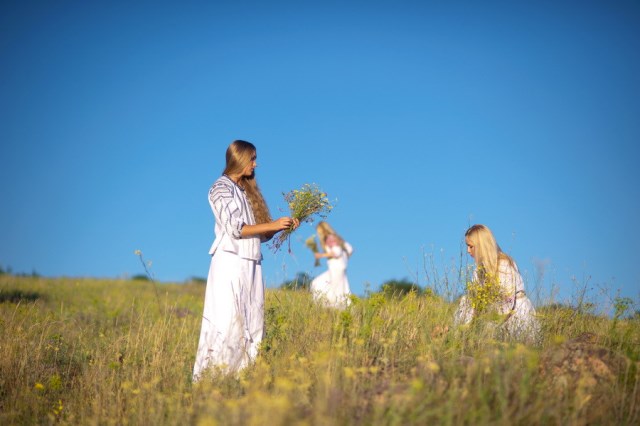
x,y
348,248
474,275
464,313
226,209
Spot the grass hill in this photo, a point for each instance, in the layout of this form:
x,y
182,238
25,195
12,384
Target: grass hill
x,y
86,351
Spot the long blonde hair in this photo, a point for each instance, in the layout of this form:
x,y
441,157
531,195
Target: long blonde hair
x,y
324,230
487,251
239,154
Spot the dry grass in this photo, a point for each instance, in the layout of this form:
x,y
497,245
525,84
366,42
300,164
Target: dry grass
x,y
106,352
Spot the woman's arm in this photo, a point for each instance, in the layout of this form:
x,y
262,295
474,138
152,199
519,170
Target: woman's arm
x,y
332,252
269,229
325,254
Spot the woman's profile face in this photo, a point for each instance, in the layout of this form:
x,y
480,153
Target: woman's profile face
x,y
331,240
251,166
471,248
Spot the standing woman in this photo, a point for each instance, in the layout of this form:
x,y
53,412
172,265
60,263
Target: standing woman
x,y
332,286
233,317
500,287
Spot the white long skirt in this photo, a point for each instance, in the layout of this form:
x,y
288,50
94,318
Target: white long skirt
x,y
331,288
521,324
233,316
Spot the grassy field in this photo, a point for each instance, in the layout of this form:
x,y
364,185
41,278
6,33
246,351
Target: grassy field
x,y
85,351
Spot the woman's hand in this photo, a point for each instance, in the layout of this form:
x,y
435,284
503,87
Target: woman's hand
x,y
328,255
285,222
269,229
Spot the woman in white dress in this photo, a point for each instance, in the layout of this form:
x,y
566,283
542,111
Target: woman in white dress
x,y
496,268
233,317
332,286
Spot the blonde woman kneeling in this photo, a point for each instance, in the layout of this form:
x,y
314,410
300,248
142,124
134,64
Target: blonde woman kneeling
x,y
497,270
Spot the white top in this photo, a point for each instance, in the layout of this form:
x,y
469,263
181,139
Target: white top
x,y
510,278
232,211
510,283
339,257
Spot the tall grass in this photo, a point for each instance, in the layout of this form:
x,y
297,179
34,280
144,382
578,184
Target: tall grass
x,y
109,352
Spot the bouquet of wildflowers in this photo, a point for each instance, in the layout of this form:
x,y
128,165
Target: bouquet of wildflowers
x,y
304,204
484,296
313,246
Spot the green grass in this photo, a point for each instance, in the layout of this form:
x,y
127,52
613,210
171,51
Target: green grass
x,y
85,351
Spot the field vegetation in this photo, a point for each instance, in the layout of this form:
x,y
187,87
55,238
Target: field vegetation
x,y
121,352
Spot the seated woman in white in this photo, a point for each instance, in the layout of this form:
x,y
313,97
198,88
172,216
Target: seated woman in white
x,y
494,267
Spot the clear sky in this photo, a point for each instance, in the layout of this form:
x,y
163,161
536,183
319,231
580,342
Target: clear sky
x,y
419,117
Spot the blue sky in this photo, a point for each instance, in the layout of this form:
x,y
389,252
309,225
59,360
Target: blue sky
x,y
419,118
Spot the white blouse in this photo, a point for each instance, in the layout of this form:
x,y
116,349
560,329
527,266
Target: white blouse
x,y
339,257
232,211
